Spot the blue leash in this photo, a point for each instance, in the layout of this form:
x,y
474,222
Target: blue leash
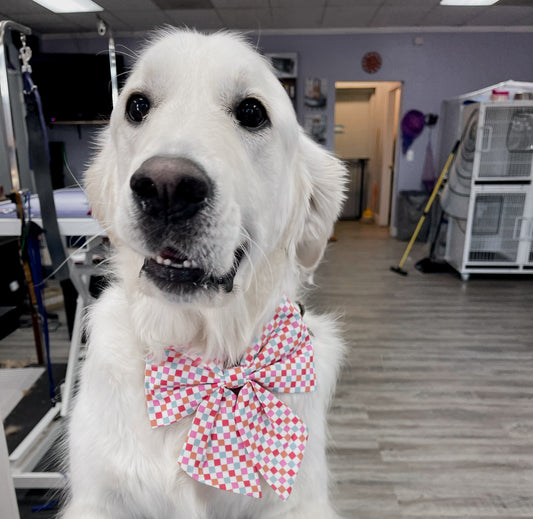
x,y
34,254
29,89
33,245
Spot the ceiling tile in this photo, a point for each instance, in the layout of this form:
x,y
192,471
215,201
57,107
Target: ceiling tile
x,y
130,5
516,2
246,18
498,15
234,4
294,18
399,16
143,20
198,18
412,3
88,21
43,18
298,3
355,3
450,16
183,4
127,15
358,16
46,22
21,6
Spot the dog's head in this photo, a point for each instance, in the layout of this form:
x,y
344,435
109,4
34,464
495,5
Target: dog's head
x,y
204,173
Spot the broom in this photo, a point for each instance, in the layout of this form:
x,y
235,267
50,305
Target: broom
x,y
399,269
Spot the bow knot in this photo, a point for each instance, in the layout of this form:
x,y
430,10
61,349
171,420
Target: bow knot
x,y
240,429
234,377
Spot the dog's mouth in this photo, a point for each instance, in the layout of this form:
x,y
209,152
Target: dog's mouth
x,y
174,272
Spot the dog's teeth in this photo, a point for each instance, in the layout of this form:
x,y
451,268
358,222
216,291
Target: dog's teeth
x,y
177,264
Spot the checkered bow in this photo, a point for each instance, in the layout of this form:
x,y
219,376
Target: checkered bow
x,y
240,429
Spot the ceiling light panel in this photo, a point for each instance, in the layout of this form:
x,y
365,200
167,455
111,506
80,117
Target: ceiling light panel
x,y
469,3
70,6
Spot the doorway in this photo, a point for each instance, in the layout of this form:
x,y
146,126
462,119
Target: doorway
x,y
366,132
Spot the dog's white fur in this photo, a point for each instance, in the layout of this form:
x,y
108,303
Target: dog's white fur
x,y
277,191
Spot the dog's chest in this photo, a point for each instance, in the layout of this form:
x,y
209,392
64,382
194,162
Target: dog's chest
x,y
139,462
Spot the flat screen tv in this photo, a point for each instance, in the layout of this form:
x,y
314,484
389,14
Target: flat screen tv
x,y
75,87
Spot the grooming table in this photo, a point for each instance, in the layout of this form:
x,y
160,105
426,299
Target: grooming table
x,y
13,384
74,219
72,209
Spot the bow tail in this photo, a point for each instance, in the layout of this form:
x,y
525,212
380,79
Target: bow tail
x,y
213,452
273,435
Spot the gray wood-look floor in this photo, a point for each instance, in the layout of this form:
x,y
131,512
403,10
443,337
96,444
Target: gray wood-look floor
x,y
433,416
18,348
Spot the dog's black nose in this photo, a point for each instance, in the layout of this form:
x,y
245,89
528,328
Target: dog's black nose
x,y
170,187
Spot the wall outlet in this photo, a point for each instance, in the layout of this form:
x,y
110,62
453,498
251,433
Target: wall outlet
x,y
410,156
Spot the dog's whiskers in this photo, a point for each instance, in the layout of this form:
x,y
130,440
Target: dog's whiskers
x,y
77,184
71,173
120,48
247,237
69,257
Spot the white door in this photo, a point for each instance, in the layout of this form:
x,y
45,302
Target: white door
x,y
390,133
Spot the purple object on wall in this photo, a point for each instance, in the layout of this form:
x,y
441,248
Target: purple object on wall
x,y
413,123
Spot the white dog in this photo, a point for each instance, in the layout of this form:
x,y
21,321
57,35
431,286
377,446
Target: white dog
x,y
219,208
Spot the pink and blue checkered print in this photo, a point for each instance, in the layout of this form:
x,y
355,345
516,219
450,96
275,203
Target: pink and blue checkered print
x,y
240,429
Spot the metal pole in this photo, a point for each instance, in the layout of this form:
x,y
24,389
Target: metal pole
x,y
5,27
8,497
103,28
113,69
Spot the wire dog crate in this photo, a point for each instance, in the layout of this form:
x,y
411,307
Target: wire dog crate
x,y
493,230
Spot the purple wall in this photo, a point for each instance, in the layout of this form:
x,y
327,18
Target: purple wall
x,y
445,65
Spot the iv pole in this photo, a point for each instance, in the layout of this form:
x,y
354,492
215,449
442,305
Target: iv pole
x,y
5,27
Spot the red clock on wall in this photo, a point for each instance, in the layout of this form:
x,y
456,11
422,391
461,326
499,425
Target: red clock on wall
x,y
371,62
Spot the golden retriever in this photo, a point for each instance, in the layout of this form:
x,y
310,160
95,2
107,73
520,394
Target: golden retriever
x,y
219,208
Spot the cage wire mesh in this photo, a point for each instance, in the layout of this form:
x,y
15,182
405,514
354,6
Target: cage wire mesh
x,y
496,227
506,142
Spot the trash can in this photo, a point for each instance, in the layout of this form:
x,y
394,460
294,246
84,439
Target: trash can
x,y
411,205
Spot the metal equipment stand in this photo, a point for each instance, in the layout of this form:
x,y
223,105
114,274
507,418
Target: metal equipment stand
x,y
17,469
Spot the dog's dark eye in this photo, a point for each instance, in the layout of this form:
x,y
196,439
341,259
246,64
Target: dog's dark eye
x,y
251,113
137,107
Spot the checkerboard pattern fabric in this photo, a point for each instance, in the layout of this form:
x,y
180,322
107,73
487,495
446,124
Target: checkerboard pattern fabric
x,y
240,429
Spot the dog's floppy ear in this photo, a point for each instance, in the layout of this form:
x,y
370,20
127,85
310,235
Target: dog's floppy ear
x,y
326,177
99,183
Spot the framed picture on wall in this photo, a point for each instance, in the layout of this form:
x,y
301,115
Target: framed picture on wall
x,y
285,64
316,92
315,124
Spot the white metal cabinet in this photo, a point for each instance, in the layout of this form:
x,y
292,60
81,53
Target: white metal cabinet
x,y
496,233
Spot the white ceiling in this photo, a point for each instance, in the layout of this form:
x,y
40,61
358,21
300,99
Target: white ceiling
x,y
130,16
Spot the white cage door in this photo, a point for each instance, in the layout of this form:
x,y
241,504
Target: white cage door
x,y
505,142
496,229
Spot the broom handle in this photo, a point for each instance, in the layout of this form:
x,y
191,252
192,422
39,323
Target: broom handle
x,y
429,204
